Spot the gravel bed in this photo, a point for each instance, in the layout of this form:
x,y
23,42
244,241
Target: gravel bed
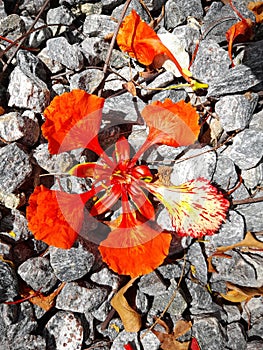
x,y
68,52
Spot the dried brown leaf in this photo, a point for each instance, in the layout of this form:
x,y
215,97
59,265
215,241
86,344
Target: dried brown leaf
x,y
257,8
237,294
46,302
249,241
130,87
130,318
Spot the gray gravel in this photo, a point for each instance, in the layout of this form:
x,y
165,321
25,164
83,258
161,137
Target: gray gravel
x,y
69,54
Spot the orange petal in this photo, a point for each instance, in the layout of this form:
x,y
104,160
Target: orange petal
x,y
56,217
171,124
141,42
73,121
135,250
196,207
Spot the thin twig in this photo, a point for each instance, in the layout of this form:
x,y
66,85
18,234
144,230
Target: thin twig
x,y
22,40
247,200
112,43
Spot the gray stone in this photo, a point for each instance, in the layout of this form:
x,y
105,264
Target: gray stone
x,y
247,149
95,50
175,270
116,13
87,80
209,333
114,328
151,284
176,12
174,95
188,36
60,50
37,37
14,167
5,249
198,261
12,201
253,177
106,277
37,273
200,164
64,331
32,66
15,226
147,342
236,337
24,324
201,300
59,15
210,62
236,111
53,66
29,342
225,174
254,316
102,311
109,5
164,220
32,7
14,126
98,25
242,269
8,282
234,80
71,264
256,122
142,303
169,153
71,184
115,82
160,301
2,10
231,232
161,81
76,298
252,214
57,163
123,109
233,313
216,12
11,27
26,92
123,339
255,345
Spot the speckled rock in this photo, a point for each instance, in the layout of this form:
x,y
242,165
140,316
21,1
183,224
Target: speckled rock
x,y
198,262
14,167
106,277
60,50
236,336
236,111
8,282
98,25
151,284
76,298
11,27
162,80
247,149
64,331
201,165
225,174
71,264
87,80
15,226
253,177
59,15
37,273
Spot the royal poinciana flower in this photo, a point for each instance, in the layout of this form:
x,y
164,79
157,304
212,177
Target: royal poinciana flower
x,y
135,245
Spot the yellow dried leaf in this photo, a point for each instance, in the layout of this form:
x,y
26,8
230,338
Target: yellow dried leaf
x,y
181,328
130,318
238,294
130,87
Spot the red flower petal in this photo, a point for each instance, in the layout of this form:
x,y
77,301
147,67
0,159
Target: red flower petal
x,y
136,249
196,207
107,200
172,124
92,170
73,121
141,42
56,217
141,201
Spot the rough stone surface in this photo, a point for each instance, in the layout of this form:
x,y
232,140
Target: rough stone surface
x,y
253,177
98,25
14,226
236,337
151,284
236,111
37,273
80,299
14,167
59,15
87,80
71,264
57,163
26,92
247,149
64,331
60,50
225,174
8,282
199,164
209,333
160,81
197,260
